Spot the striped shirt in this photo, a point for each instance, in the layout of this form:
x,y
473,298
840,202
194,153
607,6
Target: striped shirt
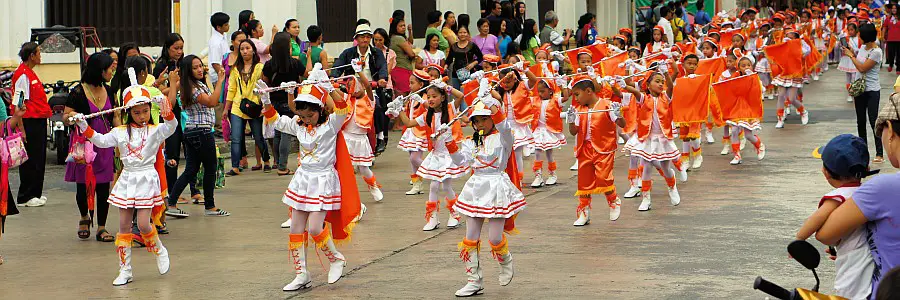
x,y
198,114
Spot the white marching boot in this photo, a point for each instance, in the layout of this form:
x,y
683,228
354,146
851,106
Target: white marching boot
x,y
698,161
804,117
302,280
162,255
574,166
761,152
125,274
453,218
431,217
615,209
633,191
674,197
682,173
475,282
416,188
780,123
726,149
362,211
709,137
376,193
584,217
286,224
645,202
506,264
337,260
538,180
551,180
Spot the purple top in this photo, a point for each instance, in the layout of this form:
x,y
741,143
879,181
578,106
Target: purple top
x,y
103,162
227,68
878,201
487,45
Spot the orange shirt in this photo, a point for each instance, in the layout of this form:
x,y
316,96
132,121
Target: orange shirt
x,y
597,128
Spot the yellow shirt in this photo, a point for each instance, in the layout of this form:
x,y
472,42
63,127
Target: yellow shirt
x,y
235,94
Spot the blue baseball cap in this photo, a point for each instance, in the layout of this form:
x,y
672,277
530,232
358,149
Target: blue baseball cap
x,y
846,155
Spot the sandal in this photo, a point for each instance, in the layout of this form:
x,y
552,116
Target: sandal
x,y
878,160
84,233
232,173
256,168
198,199
104,236
162,229
181,200
285,172
267,169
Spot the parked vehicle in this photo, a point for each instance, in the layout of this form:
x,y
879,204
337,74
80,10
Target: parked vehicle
x,y
808,256
57,131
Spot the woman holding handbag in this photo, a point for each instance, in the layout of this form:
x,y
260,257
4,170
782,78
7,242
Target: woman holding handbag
x,y
867,61
92,178
244,105
462,58
7,203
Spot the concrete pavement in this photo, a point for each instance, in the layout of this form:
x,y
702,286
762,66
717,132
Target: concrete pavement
x,y
733,224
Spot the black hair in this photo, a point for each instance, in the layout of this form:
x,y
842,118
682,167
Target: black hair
x,y
691,56
503,74
585,19
251,25
392,30
139,64
234,36
94,67
664,11
512,49
109,51
281,52
323,114
171,39
445,116
239,64
383,33
855,173
888,288
428,41
516,10
507,11
868,33
584,85
446,15
731,55
679,13
398,14
121,76
313,33
365,21
27,50
433,16
699,5
219,19
477,138
188,82
244,17
527,34
287,24
462,20
481,22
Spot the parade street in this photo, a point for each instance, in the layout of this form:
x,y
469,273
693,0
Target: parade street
x,y
733,224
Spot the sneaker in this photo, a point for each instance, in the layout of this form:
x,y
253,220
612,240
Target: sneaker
x,y
551,180
779,124
34,202
538,181
286,224
584,218
218,213
849,99
761,153
804,117
645,203
176,212
632,192
709,138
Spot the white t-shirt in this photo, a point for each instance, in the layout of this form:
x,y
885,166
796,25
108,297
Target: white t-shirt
x,y
432,58
667,29
854,265
218,46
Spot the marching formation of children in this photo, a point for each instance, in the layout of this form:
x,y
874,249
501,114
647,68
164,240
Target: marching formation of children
x,y
605,95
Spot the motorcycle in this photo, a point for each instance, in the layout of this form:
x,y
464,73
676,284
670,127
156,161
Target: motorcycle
x,y
6,87
808,256
57,131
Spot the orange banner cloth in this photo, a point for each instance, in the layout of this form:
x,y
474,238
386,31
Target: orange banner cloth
x,y
788,57
740,98
711,66
470,90
691,99
610,66
598,52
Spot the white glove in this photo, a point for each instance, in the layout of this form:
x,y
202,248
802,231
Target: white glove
x,y
616,109
288,84
561,82
570,115
438,83
490,101
80,121
606,79
326,85
663,68
557,55
620,81
484,88
591,72
316,67
357,65
692,76
629,63
442,135
667,52
392,112
520,66
263,96
477,75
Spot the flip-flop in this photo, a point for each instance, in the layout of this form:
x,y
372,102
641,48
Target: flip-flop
x,y
86,233
182,200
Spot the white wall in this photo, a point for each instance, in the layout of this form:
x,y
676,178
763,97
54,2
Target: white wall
x,y
17,17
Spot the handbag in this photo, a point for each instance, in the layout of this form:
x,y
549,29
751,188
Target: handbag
x,y
12,147
858,87
249,108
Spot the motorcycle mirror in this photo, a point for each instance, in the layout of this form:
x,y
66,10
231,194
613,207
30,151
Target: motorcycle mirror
x,y
804,253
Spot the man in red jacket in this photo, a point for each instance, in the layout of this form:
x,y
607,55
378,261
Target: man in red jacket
x,y
37,111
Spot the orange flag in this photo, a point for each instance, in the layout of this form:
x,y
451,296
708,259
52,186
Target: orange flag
x,y
788,56
598,52
536,69
711,66
690,99
610,66
814,58
725,37
740,98
687,48
470,90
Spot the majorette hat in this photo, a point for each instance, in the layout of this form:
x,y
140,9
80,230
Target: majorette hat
x,y
543,48
136,93
491,58
421,74
436,67
711,42
479,109
579,78
312,93
624,31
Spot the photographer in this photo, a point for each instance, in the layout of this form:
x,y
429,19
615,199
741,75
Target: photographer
x,y
549,33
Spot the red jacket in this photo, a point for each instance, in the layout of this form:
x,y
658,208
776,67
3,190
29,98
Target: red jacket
x,y
36,106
